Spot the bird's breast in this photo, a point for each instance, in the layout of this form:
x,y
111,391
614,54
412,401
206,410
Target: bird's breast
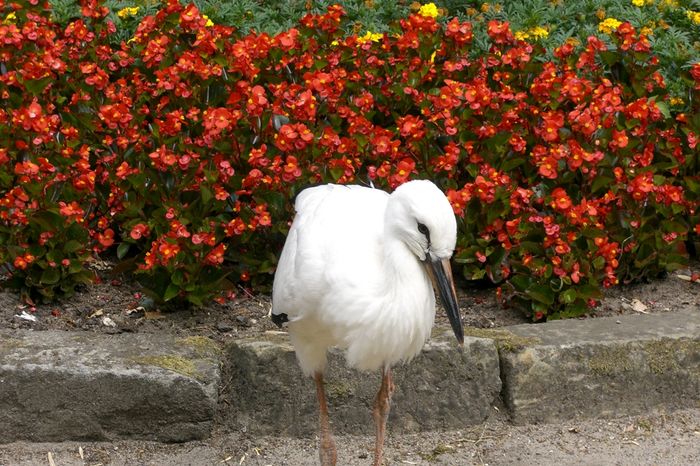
x,y
391,329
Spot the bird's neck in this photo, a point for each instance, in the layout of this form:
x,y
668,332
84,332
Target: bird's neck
x,y
408,308
403,268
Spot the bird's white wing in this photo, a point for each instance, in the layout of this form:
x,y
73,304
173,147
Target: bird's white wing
x,y
334,247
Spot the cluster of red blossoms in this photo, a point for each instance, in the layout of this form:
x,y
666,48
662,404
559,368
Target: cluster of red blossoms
x,y
184,146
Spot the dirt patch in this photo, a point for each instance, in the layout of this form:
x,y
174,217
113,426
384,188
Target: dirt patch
x,y
653,438
117,305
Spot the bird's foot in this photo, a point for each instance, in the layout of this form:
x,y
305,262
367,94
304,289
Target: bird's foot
x,y
327,452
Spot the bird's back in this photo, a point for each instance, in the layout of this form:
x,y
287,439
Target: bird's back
x,y
334,247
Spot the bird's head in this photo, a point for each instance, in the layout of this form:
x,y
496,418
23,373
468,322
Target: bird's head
x,y
420,215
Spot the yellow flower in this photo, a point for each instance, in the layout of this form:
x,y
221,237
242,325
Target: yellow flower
x,y
538,32
647,31
210,23
370,36
10,18
429,9
609,25
639,3
677,101
694,16
126,12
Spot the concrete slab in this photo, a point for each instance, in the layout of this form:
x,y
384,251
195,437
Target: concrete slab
x,y
602,367
442,388
57,386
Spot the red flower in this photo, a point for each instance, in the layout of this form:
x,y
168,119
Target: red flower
x,y
411,127
517,143
403,171
291,170
461,33
552,122
167,250
619,139
560,200
106,239
216,255
548,168
20,263
500,32
139,230
235,227
641,186
695,73
287,40
458,200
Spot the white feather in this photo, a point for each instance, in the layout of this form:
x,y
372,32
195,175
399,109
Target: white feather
x,y
350,273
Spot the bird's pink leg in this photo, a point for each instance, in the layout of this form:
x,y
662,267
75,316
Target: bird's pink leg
x,y
326,452
382,404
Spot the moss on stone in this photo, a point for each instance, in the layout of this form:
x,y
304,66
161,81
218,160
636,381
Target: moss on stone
x,y
202,346
436,452
338,390
662,356
645,424
610,360
172,363
504,339
11,343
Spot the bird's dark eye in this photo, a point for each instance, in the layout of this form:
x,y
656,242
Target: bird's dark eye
x,y
423,229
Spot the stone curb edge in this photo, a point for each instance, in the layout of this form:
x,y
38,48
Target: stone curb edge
x,y
59,386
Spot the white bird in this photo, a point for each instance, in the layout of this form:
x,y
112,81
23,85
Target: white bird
x,y
356,272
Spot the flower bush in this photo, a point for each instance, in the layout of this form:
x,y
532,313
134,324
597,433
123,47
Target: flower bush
x,y
671,25
181,149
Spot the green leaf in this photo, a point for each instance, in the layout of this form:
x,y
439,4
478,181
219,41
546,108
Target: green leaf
x,y
589,291
521,282
48,220
75,267
170,292
511,163
567,296
541,293
207,195
601,182
196,300
599,263
336,173
72,246
663,108
178,278
474,273
50,276
609,58
122,250
37,86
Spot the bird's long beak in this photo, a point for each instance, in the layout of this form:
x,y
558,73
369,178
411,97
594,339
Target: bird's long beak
x,y
441,274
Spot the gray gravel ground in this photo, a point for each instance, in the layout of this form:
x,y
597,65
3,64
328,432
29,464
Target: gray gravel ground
x,y
654,439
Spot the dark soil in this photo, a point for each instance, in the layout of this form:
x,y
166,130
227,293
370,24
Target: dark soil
x,y
117,305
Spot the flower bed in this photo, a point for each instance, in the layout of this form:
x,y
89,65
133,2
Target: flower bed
x,y
181,149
